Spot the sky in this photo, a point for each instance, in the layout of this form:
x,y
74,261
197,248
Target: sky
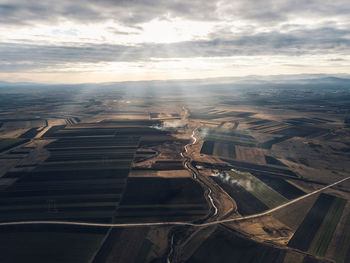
x,y
96,41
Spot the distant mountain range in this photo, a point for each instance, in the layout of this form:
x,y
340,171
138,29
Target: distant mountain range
x,y
302,79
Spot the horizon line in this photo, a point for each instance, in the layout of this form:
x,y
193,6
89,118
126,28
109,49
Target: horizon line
x,y
341,75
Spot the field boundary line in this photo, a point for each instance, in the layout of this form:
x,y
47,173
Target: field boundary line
x,y
176,223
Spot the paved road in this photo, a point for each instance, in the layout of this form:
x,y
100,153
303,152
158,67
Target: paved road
x,y
175,223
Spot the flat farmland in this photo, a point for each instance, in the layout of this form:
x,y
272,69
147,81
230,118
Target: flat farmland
x,y
231,247
83,178
229,137
259,122
273,128
293,257
339,247
159,173
104,158
261,191
31,133
67,184
23,201
220,149
127,123
154,140
325,233
124,245
121,153
158,199
273,161
280,185
91,165
300,131
312,222
160,190
252,167
68,175
223,149
73,200
63,190
233,139
140,131
73,132
269,127
6,144
103,215
268,144
22,123
52,130
168,165
247,204
46,243
110,131
95,142
250,154
75,150
207,147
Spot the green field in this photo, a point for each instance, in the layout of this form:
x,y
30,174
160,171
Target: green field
x,y
343,242
253,185
324,234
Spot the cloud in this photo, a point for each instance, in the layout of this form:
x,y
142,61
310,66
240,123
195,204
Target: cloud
x,y
139,11
238,28
295,43
123,11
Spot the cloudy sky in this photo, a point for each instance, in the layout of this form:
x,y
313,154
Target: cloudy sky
x,y
116,40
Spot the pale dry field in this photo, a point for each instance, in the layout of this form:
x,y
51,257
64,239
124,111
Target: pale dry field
x,y
250,155
162,174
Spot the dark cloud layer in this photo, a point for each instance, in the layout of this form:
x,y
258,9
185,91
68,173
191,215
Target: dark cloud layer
x,y
298,42
271,27
122,11
137,11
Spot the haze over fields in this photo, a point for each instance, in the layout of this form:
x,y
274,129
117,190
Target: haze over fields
x,y
103,41
177,131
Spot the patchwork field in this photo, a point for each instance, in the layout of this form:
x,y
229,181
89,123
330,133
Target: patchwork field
x,y
221,149
250,154
22,123
228,136
6,144
315,232
154,198
159,173
320,243
115,153
230,245
49,243
254,186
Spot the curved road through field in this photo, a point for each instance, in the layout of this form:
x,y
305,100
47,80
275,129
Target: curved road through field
x,y
176,223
